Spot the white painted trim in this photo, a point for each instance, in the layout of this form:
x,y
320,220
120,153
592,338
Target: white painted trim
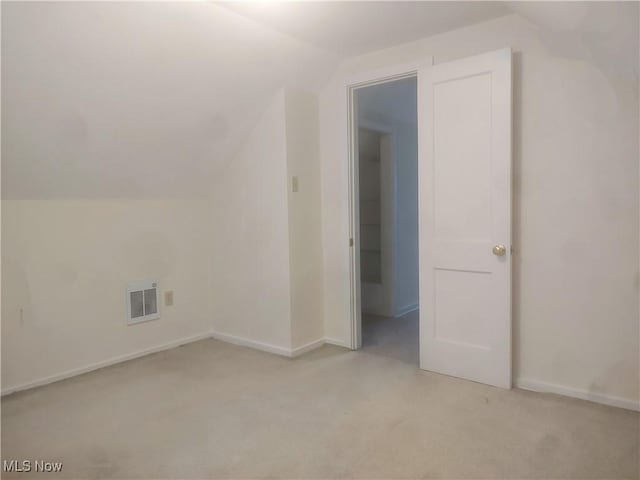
x,y
353,165
105,363
296,352
337,343
406,309
348,85
523,383
387,73
266,347
245,342
543,387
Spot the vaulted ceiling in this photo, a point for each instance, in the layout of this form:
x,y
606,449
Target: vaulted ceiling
x,y
152,99
353,28
135,99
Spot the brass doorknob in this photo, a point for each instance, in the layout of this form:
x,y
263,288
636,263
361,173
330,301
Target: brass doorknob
x,y
499,250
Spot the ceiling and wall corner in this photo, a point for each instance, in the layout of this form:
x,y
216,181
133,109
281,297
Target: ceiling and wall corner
x,y
250,262
136,100
93,105
266,260
117,118
347,29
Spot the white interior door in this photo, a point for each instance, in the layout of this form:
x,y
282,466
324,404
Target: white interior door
x,y
465,218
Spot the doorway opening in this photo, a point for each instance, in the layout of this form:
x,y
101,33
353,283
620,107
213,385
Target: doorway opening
x,y
386,160
464,222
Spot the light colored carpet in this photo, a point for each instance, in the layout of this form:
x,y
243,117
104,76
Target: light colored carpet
x,y
392,337
214,410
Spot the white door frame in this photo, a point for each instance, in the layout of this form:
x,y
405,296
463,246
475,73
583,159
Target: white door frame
x,y
364,79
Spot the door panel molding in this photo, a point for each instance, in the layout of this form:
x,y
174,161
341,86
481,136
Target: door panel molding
x,y
464,169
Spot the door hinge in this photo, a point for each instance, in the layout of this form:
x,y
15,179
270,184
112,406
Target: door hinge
x,y
351,242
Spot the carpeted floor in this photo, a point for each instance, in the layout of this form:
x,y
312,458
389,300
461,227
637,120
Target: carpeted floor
x,y
392,337
214,410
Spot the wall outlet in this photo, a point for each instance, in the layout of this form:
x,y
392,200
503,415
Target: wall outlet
x,y
168,298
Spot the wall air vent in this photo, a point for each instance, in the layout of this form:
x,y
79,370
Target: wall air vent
x,y
142,301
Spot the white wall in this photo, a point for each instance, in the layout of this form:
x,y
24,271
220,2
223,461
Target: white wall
x,y
247,262
266,262
109,140
375,180
116,119
405,236
305,223
84,123
135,99
575,201
65,269
250,266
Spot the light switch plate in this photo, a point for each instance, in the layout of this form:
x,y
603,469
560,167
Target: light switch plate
x,y
168,298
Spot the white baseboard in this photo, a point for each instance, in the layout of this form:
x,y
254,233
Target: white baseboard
x,y
267,347
536,386
105,363
406,309
338,343
307,347
523,383
245,342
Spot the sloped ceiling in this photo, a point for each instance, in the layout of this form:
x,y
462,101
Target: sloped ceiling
x,y
602,32
106,99
152,99
353,28
605,33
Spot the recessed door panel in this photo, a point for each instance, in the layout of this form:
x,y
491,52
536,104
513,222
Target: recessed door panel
x,y
465,218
